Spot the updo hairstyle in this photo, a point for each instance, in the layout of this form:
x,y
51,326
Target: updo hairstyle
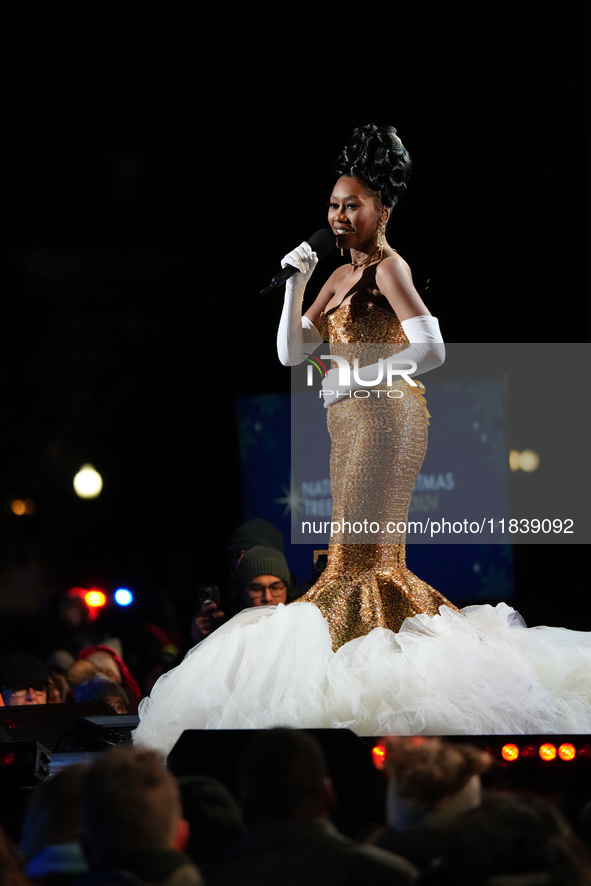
x,y
377,157
427,771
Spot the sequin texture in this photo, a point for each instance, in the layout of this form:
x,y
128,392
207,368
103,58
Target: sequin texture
x,y
378,447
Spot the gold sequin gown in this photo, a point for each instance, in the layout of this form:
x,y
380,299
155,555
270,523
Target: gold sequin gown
x,y
378,447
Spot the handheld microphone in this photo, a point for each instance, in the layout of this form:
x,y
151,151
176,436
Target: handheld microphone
x,y
322,242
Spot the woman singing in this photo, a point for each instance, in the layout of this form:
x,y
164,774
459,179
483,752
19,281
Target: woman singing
x,y
371,646
378,443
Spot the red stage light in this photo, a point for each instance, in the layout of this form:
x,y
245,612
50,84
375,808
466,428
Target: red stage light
x,y
567,752
585,751
378,756
7,759
510,752
95,599
548,752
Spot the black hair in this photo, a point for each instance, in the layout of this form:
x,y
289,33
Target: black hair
x,y
377,157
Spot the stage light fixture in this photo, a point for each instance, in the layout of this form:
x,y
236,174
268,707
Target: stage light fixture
x,y
20,507
23,764
510,752
88,483
529,461
95,599
378,756
514,460
567,751
547,752
123,597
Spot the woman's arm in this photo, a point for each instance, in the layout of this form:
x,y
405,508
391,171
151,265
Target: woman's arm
x,y
297,335
394,280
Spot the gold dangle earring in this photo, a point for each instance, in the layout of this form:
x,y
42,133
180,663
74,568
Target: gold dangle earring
x,y
381,238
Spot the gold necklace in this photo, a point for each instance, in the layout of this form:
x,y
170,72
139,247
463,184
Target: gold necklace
x,y
359,264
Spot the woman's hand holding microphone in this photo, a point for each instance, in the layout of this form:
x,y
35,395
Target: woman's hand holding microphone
x,y
297,334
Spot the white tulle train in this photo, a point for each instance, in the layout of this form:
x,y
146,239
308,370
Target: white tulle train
x,y
480,672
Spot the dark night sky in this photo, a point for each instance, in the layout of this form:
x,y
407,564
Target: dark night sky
x,y
159,167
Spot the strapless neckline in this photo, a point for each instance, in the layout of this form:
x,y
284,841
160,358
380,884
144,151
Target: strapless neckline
x,y
359,304
361,322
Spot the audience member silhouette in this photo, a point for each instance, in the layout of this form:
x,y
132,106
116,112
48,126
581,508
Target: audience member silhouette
x,y
287,800
132,825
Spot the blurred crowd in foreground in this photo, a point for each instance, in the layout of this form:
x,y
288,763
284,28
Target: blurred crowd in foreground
x,y
124,819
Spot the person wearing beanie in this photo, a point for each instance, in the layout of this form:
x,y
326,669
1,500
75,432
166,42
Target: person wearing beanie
x,y
24,679
248,535
263,577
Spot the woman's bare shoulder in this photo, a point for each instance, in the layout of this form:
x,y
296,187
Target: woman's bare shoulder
x,y
395,265
394,280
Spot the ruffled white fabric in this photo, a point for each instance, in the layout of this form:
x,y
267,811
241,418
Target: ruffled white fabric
x,y
483,672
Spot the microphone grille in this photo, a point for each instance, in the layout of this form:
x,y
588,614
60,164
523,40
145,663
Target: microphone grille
x,y
322,242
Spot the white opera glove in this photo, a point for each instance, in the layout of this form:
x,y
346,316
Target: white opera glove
x,y
426,351
426,347
297,335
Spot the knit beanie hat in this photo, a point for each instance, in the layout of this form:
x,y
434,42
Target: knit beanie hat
x,y
20,669
256,532
262,561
